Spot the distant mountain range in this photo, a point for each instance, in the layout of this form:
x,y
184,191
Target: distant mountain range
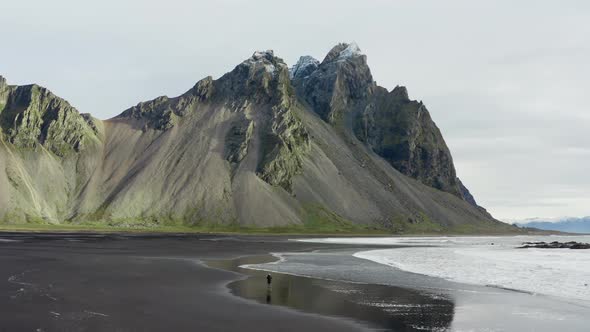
x,y
264,145
565,224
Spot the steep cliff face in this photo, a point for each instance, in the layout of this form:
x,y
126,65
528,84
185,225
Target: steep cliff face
x,y
32,116
262,83
320,145
341,82
400,130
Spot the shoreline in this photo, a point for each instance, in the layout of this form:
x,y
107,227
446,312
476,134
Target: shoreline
x,y
499,308
491,262
331,298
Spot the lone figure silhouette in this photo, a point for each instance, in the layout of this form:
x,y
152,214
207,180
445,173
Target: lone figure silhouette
x,y
268,279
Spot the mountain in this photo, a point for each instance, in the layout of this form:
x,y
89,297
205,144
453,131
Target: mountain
x,y
316,145
566,224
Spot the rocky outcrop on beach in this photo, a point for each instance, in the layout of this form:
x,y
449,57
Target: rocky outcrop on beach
x,y
316,145
556,245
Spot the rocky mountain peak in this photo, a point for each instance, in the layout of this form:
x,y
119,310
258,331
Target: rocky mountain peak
x,y
33,116
2,82
343,51
400,92
203,89
337,83
259,55
265,60
304,67
259,78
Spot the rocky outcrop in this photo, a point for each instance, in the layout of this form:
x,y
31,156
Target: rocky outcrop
x,y
283,159
32,116
466,194
341,82
402,132
555,245
163,113
304,67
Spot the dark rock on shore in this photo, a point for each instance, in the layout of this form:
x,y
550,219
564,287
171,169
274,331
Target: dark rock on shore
x,y
556,245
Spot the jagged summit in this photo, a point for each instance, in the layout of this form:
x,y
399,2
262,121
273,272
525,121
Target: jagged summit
x,y
31,117
259,55
400,92
2,82
257,71
265,59
304,66
258,78
343,75
343,51
308,64
350,51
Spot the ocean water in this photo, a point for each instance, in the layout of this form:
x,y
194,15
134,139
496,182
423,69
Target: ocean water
x,y
485,283
488,261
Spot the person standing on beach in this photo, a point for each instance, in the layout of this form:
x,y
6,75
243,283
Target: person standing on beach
x,y
268,279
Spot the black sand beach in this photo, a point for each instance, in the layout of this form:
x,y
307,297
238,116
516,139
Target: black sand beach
x,y
87,282
116,282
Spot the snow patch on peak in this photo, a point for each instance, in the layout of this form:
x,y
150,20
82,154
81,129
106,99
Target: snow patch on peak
x,y
270,68
350,51
259,55
305,66
265,59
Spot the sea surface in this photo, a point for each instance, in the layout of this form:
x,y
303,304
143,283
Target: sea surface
x,y
444,283
489,261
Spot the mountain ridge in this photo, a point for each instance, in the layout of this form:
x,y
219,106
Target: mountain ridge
x,y
563,224
263,145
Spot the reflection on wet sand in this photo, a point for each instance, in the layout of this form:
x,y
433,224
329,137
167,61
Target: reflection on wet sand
x,y
269,295
383,307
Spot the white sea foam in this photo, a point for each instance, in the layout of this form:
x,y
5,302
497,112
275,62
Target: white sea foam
x,y
9,240
474,260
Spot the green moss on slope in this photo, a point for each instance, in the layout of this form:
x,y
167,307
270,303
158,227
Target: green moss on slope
x,y
33,116
285,160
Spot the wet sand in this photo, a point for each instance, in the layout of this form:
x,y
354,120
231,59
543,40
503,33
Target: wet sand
x,y
400,309
397,300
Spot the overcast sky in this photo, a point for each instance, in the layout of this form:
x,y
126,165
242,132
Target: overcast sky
x,y
506,81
